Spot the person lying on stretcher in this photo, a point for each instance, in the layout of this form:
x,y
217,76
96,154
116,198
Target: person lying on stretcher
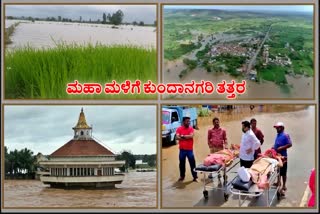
x,y
260,169
222,157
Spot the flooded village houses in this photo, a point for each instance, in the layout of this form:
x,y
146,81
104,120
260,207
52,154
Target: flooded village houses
x,y
245,49
81,162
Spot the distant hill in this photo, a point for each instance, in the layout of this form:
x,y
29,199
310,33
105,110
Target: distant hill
x,y
229,14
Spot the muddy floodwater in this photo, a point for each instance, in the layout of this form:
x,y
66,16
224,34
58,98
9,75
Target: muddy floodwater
x,y
302,87
137,190
299,124
41,34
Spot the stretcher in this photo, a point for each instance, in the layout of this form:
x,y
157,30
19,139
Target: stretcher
x,y
250,189
215,171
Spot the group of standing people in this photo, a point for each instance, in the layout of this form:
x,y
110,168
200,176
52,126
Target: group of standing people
x,y
250,146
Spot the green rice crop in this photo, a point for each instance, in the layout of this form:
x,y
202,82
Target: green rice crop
x,y
45,73
273,73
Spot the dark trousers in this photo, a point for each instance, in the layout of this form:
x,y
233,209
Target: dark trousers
x,y
256,153
246,164
182,165
284,168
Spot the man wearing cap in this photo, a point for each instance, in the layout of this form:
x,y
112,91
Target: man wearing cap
x,y
185,136
282,143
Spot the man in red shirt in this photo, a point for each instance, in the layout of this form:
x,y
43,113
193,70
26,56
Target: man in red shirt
x,y
258,133
217,137
184,135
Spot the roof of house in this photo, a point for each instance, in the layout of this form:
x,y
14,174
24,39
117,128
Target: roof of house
x,y
81,148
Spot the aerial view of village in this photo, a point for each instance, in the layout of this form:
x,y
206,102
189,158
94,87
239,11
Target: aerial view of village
x,y
94,157
271,47
49,46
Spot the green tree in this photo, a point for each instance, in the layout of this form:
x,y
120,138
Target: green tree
x,y
116,18
134,23
150,159
141,23
18,162
128,157
104,19
26,160
59,18
7,158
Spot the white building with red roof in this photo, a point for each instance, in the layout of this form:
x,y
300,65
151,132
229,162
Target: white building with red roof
x,y
82,162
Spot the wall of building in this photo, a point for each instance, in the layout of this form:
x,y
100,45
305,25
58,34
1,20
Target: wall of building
x,y
80,171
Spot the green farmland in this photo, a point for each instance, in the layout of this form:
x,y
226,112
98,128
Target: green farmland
x,y
45,73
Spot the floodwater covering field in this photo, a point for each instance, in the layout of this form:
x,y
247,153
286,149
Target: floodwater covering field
x,y
137,190
45,56
46,34
273,51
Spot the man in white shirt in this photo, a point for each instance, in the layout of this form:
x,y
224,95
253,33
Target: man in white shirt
x,y
249,143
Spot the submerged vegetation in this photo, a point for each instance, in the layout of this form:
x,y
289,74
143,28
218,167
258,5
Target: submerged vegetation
x,y
8,33
45,73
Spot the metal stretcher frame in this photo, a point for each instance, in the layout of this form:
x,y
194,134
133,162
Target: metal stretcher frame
x,y
211,186
255,192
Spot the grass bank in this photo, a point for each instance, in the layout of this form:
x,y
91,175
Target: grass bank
x,y
45,73
8,33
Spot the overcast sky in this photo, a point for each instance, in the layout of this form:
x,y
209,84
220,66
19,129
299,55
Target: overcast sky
x,y
145,13
288,8
46,128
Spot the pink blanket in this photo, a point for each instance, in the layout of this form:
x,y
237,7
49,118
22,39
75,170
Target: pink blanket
x,y
222,157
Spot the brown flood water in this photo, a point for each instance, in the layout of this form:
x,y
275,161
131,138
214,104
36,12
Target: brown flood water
x,y
297,87
302,133
137,190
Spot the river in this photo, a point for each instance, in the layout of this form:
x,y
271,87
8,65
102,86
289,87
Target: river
x,y
137,190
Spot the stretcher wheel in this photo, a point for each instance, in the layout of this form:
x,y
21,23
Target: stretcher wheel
x,y
205,194
226,196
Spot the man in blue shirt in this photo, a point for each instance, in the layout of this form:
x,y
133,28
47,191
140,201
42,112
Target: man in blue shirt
x,y
282,143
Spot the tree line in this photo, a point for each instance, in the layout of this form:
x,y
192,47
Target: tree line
x,y
114,19
130,160
23,163
20,163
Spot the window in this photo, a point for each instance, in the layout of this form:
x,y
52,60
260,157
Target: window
x,y
174,117
81,133
165,117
